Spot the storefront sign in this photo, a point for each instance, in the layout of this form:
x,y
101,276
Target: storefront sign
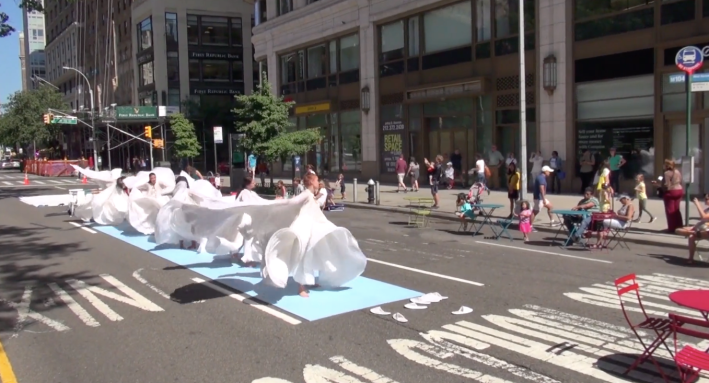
x,y
136,112
215,55
393,147
218,136
210,91
314,108
625,140
393,126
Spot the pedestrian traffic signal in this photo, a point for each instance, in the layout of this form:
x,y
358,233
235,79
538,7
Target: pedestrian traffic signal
x,y
158,144
48,118
148,132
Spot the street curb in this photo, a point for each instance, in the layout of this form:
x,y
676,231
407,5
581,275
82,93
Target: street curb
x,y
393,209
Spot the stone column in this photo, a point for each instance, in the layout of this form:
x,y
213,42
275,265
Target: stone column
x,y
368,77
555,125
272,65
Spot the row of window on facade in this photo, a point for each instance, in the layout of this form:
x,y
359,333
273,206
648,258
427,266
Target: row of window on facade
x,y
201,30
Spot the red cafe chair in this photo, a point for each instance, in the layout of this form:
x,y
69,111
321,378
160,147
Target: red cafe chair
x,y
690,361
660,326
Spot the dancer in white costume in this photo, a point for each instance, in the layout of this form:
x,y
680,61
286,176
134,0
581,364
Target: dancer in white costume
x,y
110,205
146,198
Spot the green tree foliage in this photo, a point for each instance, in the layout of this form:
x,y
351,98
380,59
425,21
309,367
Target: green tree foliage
x,y
31,5
23,123
186,142
263,118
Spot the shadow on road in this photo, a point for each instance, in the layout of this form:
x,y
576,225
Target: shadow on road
x,y
615,364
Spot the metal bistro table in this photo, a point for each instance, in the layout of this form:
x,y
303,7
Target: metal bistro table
x,y
693,299
573,213
486,210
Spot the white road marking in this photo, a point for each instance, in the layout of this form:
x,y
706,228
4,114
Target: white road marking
x,y
83,227
142,280
271,380
55,182
360,371
58,187
132,298
319,374
243,298
24,312
76,308
6,183
526,249
39,182
426,272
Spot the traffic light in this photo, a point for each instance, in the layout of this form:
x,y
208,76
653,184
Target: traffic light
x,y
48,118
148,132
158,144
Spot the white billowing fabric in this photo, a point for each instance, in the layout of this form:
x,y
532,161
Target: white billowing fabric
x,y
164,176
48,200
110,206
311,244
323,197
146,200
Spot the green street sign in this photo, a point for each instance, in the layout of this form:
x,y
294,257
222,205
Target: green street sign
x,y
136,112
66,120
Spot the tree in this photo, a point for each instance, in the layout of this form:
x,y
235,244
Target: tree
x,y
186,142
23,123
263,119
30,5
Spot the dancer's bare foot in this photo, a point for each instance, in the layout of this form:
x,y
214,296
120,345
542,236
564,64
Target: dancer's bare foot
x,y
303,292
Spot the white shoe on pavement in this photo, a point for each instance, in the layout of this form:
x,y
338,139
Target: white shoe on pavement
x,y
400,318
379,311
462,310
429,298
415,306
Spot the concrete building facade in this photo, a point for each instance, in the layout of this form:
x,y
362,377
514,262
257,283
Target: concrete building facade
x,y
23,60
427,77
34,41
64,42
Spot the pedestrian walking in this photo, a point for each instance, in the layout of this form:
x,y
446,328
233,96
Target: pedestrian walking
x,y
672,193
401,168
540,195
641,196
413,171
525,219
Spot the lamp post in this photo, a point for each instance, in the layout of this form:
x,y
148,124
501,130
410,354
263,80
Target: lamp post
x,y
522,104
93,129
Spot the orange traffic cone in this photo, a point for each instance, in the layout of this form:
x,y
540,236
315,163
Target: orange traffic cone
x,y
27,180
84,180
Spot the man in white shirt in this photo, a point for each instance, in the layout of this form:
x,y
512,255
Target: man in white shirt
x,y
495,159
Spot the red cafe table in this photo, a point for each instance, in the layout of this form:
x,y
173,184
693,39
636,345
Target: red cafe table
x,y
693,299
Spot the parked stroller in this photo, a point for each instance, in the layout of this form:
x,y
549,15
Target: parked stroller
x,y
475,193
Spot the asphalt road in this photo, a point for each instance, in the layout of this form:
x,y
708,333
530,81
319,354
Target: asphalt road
x,y
149,321
13,179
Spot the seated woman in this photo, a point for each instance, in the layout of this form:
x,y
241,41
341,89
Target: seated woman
x,y
618,222
465,211
699,231
448,176
281,192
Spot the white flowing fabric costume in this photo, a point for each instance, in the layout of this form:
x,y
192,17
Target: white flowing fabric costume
x,y
292,237
108,207
146,201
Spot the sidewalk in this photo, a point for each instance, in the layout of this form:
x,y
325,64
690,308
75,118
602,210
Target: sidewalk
x,y
642,232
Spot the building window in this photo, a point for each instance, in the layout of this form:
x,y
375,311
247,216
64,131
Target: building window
x,y
317,61
192,29
507,17
173,97
171,28
351,141
392,41
414,36
629,97
215,30
194,70
173,66
676,11
145,34
333,56
237,71
448,27
349,53
705,8
483,24
596,19
289,69
215,70
284,6
236,32
146,74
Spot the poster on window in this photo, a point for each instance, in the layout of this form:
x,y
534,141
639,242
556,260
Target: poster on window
x,y
393,126
635,144
393,147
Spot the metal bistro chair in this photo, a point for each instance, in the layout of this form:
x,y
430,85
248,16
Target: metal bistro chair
x,y
616,237
690,361
660,326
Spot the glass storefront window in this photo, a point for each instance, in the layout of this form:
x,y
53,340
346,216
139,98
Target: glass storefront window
x,y
215,30
483,21
507,17
214,70
349,53
194,70
705,8
483,131
173,67
590,8
173,97
676,11
289,69
192,29
613,89
392,37
391,112
448,27
679,149
317,61
171,27
351,135
146,74
621,23
237,71
236,32
619,108
145,33
334,144
414,36
284,6
333,56
453,106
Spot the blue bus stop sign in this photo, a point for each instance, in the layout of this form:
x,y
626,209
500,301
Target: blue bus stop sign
x,y
689,59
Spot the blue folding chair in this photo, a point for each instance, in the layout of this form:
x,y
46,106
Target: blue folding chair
x,y
504,224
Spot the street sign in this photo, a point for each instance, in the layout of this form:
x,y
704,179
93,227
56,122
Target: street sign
x,y
700,82
218,138
689,59
64,120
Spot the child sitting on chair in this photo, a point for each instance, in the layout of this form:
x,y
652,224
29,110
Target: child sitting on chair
x,y
465,211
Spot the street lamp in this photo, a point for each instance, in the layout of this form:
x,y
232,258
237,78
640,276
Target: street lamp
x,y
365,99
549,74
522,104
93,129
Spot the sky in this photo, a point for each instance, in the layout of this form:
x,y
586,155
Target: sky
x,y
10,77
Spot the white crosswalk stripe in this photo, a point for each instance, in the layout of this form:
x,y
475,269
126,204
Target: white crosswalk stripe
x,y
7,183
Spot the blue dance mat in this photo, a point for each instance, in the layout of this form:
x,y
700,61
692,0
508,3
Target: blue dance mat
x,y
359,294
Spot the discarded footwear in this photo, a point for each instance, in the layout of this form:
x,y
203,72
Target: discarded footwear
x,y
379,311
415,306
462,310
400,318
